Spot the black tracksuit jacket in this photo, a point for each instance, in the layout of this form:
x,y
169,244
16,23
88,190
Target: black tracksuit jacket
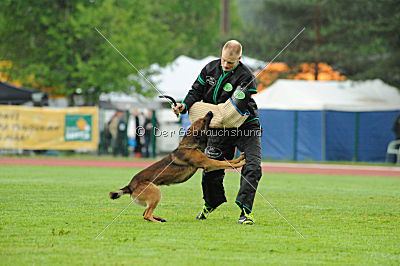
x,y
215,86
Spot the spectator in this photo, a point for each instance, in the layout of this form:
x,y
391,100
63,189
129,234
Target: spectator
x,y
135,132
117,127
148,126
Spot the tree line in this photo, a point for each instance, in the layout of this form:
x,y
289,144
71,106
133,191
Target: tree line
x,y
361,39
54,43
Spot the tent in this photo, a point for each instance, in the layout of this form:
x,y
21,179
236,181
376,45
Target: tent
x,y
11,94
177,78
122,100
331,120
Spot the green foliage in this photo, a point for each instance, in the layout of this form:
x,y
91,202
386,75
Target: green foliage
x,y
57,42
196,24
51,215
360,38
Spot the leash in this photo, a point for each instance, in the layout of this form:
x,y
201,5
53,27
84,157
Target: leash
x,y
171,100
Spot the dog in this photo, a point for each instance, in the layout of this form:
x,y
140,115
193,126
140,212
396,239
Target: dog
x,y
176,167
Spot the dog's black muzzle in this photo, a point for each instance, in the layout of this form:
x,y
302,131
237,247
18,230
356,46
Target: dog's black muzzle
x,y
208,116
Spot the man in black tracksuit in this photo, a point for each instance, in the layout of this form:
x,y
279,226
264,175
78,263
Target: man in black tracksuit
x,y
219,81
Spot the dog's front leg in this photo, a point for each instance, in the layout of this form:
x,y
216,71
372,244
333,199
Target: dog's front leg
x,y
200,160
240,158
226,165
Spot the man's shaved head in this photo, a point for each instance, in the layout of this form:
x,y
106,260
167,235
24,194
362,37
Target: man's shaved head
x,y
231,55
233,48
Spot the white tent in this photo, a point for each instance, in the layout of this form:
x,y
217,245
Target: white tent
x,y
370,95
176,78
327,120
128,101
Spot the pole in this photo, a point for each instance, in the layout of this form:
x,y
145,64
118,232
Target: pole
x,y
295,129
356,135
225,19
153,137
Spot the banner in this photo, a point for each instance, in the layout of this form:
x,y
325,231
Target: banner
x,y
41,128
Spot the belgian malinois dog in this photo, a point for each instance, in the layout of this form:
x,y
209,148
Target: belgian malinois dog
x,y
176,167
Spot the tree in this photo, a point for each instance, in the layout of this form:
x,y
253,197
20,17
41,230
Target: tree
x,y
358,37
57,42
196,24
53,43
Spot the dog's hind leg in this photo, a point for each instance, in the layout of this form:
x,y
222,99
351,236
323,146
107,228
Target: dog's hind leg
x,y
150,194
158,218
119,193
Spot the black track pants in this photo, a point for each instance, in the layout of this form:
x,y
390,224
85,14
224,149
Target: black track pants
x,y
221,145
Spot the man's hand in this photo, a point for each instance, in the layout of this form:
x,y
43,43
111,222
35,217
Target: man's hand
x,y
179,108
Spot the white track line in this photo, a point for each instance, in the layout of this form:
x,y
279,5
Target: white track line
x,y
334,166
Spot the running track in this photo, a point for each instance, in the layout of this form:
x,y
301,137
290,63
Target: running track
x,y
290,168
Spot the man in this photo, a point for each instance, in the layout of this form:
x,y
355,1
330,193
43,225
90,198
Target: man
x,y
148,126
117,127
216,84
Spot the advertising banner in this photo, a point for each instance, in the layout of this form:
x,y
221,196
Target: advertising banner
x,y
41,128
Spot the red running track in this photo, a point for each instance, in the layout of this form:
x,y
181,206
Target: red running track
x,y
270,168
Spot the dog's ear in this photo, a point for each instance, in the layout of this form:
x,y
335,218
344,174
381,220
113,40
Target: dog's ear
x,y
195,134
199,124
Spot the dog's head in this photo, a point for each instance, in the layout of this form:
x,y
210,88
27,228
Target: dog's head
x,y
196,134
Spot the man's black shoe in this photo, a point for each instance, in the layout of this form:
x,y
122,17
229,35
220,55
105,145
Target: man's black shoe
x,y
204,213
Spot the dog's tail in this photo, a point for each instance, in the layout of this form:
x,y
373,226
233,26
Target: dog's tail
x,y
119,193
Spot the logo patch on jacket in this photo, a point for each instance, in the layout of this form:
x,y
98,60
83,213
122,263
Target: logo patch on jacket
x,y
228,87
239,95
210,80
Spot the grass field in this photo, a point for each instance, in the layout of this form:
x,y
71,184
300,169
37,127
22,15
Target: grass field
x,y
51,215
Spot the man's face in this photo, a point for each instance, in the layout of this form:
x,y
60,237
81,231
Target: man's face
x,y
229,61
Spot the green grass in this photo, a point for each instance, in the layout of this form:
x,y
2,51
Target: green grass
x,y
51,215
80,156
94,156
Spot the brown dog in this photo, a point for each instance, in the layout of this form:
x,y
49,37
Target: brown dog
x,y
176,167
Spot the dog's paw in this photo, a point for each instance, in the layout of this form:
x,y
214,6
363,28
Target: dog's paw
x,y
160,219
240,164
114,195
238,159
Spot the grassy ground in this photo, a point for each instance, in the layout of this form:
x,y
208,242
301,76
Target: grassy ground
x,y
92,156
51,215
